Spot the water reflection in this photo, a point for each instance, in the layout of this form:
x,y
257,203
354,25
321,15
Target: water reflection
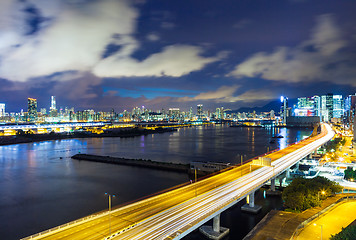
x,y
44,187
283,142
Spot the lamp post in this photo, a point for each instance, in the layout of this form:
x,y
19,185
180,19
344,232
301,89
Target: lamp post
x,y
109,199
322,192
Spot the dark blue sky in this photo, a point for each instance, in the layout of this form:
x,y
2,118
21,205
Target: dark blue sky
x,y
117,54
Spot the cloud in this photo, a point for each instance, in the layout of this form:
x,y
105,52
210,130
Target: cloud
x,y
226,94
222,94
173,61
321,58
254,95
79,87
73,38
153,37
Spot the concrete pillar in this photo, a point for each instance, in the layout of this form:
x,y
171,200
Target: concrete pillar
x,y
297,165
251,200
250,204
288,173
273,184
216,223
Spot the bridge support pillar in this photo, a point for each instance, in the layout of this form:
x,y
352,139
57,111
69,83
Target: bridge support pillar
x,y
297,165
214,232
273,184
273,191
250,204
288,173
216,223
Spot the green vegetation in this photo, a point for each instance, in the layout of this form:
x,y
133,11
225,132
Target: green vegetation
x,y
335,143
350,174
302,193
348,233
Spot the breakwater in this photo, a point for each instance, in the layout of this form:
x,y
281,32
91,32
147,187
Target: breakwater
x,y
178,167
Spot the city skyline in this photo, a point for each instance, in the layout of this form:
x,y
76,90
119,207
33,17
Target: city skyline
x,y
176,54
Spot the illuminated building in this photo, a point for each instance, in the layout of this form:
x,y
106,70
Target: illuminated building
x,y
32,109
338,106
174,113
327,106
53,109
2,109
305,107
200,111
317,106
330,105
349,108
271,114
218,113
284,109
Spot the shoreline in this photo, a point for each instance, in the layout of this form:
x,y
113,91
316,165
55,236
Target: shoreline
x,y
29,138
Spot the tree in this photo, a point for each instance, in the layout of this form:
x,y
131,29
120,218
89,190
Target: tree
x,y
350,174
302,194
347,233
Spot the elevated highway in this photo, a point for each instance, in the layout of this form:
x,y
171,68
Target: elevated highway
x,y
176,213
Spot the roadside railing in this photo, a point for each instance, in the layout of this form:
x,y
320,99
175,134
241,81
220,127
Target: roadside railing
x,y
306,222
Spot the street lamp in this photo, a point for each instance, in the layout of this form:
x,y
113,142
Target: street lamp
x,y
110,196
322,193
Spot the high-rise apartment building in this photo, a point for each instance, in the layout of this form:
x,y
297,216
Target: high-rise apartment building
x,y
32,109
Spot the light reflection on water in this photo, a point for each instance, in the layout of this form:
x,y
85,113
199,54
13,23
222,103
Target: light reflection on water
x,y
42,187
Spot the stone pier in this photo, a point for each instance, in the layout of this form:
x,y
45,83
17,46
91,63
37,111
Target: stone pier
x,y
273,191
214,232
250,205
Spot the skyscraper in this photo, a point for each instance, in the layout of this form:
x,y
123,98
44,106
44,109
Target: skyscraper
x,y
53,103
330,105
32,109
2,109
317,106
284,109
338,106
53,109
200,111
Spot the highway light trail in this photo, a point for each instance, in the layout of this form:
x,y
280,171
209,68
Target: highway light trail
x,y
173,214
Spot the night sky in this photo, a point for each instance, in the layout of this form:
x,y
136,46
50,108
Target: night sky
x,y
103,54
